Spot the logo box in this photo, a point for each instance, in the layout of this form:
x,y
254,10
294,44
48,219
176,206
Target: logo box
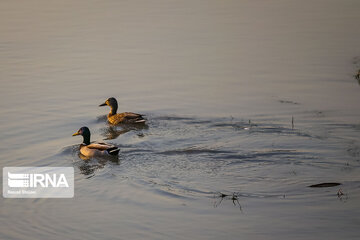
x,y
38,182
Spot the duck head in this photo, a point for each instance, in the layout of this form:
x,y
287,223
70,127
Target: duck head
x,y
85,132
112,103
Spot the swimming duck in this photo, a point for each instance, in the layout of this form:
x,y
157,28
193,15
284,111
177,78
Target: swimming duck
x,y
125,117
95,149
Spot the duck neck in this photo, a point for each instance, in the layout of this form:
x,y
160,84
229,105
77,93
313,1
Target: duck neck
x,y
113,109
86,139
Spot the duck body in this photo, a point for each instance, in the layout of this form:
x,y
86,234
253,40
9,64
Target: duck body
x,y
98,149
125,117
95,149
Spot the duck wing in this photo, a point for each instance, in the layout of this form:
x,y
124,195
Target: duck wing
x,y
98,149
134,117
99,146
131,115
126,117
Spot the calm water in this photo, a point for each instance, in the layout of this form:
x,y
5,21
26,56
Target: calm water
x,y
220,82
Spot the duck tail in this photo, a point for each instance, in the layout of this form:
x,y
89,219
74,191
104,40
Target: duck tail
x,y
113,151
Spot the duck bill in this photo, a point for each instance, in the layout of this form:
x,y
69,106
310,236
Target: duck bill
x,y
75,134
101,105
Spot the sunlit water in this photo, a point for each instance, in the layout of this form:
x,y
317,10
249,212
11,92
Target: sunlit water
x,y
251,98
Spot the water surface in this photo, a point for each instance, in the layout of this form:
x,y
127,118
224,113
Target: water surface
x,y
251,98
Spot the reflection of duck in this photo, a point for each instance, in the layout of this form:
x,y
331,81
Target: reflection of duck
x,y
112,132
125,117
95,149
89,169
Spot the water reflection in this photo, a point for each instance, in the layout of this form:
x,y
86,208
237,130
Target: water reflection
x,y
89,166
112,132
101,118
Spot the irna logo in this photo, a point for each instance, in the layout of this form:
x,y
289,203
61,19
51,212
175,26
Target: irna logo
x,y
37,179
38,182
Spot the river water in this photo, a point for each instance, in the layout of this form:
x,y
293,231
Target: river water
x,y
248,103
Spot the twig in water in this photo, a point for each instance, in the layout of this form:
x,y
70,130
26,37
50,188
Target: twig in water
x,y
357,76
234,198
342,196
340,193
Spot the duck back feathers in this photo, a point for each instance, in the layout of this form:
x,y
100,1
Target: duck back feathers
x,y
125,117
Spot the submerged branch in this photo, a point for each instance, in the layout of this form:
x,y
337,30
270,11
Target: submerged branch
x,y
233,197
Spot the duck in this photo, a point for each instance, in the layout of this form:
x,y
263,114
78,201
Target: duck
x,y
94,149
125,117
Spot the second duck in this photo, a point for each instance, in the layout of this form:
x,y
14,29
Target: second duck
x,y
89,149
125,117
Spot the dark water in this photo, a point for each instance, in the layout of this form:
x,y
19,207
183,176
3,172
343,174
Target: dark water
x,y
248,103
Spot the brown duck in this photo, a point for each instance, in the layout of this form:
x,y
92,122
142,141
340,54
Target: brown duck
x,y
125,117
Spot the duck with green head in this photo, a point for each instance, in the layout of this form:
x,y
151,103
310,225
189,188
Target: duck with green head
x,y
89,149
125,117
